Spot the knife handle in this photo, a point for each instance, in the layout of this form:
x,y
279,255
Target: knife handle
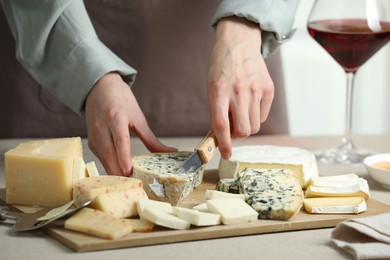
x,y
207,147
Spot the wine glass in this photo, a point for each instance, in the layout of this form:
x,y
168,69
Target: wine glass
x,y
351,31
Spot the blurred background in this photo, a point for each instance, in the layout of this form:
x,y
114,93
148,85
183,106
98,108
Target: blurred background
x,y
316,87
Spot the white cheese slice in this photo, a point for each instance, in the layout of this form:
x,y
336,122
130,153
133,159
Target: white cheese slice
x,y
92,169
40,173
98,223
214,194
163,206
335,205
161,168
201,207
197,218
300,161
79,169
233,210
164,219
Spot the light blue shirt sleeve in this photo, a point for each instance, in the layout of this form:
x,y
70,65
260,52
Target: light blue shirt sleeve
x,y
58,46
275,18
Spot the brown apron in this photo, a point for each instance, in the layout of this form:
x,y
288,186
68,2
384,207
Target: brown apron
x,y
167,42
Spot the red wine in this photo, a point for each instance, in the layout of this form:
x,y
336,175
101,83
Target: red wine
x,y
350,42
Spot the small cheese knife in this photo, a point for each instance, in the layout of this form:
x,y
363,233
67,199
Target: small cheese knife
x,y
203,154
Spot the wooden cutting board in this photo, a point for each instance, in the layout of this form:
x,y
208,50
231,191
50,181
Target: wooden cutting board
x,y
81,242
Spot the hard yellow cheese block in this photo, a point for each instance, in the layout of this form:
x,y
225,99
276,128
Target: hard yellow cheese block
x,y
98,223
40,173
335,205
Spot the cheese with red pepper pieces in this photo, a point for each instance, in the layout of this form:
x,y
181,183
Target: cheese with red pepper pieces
x,y
98,223
90,188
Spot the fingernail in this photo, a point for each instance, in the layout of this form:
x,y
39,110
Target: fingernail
x,y
128,172
226,156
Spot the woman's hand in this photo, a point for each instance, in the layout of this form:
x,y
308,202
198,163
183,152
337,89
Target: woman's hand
x,y
112,112
240,89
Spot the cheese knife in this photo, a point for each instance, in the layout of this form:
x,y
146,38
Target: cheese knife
x,y
202,154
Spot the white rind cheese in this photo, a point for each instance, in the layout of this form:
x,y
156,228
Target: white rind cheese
x,y
274,193
346,185
300,161
336,180
356,190
161,168
336,205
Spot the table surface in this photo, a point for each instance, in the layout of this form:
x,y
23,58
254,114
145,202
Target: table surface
x,y
306,244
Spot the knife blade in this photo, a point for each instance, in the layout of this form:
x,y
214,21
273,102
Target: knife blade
x,y
202,154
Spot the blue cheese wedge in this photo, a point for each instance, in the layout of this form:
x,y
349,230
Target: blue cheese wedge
x,y
273,193
335,205
301,162
161,168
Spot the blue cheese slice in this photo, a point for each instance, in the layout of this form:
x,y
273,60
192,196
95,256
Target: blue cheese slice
x,y
228,185
273,193
301,162
161,168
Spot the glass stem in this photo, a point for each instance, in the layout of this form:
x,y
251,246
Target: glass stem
x,y
347,139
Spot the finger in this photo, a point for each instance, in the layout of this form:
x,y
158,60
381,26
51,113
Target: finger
x,y
221,125
149,139
121,139
265,104
101,145
239,112
254,110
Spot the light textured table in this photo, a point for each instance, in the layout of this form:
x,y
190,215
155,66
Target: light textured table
x,y
307,244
